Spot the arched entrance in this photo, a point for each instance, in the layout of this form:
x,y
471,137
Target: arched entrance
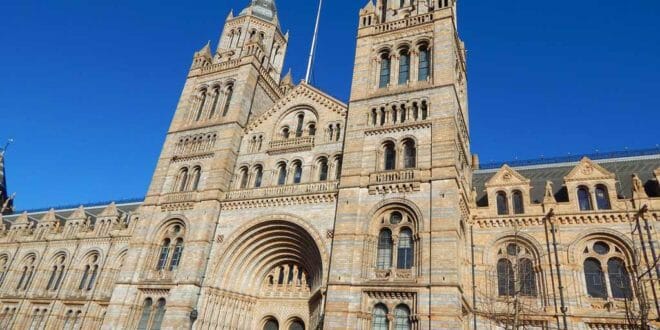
x,y
269,277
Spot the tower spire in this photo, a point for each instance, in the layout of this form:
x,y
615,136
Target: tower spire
x,y
5,200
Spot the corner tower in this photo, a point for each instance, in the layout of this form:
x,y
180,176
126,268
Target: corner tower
x,y
400,234
224,90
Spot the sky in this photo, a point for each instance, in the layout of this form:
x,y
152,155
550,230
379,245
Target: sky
x,y
88,88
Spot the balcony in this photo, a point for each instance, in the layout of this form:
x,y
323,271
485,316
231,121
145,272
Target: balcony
x,y
304,143
298,189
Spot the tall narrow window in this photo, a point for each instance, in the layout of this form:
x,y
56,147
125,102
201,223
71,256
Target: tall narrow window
x,y
92,279
160,314
164,254
409,154
216,99
402,317
176,256
384,256
312,130
182,180
297,172
505,278
338,165
196,175
390,157
595,278
244,178
502,203
404,67
584,199
379,318
527,278
323,169
52,278
424,65
202,103
385,63
602,198
83,280
299,126
338,133
230,93
285,132
425,110
23,276
619,279
146,314
405,250
258,176
281,177
518,207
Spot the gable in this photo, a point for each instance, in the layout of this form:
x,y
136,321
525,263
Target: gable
x,y
507,176
588,170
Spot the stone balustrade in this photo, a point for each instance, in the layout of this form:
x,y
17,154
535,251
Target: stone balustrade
x,y
393,176
291,145
288,190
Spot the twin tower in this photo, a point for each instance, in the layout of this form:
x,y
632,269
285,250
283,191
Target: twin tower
x,y
277,206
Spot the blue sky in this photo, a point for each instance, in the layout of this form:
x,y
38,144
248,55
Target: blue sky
x,y
88,87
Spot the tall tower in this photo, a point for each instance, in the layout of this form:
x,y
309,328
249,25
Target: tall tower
x,y
400,233
5,202
222,92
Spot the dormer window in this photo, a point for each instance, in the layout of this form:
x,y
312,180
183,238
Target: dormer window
x,y
518,207
602,198
584,199
502,204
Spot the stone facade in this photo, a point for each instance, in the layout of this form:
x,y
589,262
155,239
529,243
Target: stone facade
x,y
275,205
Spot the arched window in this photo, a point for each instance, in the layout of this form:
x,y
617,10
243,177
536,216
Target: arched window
x,y
230,93
323,169
146,313
424,63
384,256
425,110
602,198
505,278
160,314
297,325
285,132
176,255
619,279
297,172
56,275
601,254
164,253
312,129
389,156
26,274
515,271
169,257
258,176
385,64
595,278
379,319
281,177
518,207
409,154
202,102
402,317
299,126
502,203
216,99
338,165
404,67
584,199
182,180
405,250
244,178
338,132
4,260
196,175
271,325
90,273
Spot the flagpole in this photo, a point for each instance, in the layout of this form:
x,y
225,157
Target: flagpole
x,y
313,49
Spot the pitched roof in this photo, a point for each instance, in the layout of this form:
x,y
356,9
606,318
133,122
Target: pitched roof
x,y
623,168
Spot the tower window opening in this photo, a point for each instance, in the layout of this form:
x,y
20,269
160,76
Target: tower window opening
x,y
404,67
424,63
385,65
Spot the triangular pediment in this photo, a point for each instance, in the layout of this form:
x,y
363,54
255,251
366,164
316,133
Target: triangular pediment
x,y
110,211
507,176
78,214
588,170
22,219
303,95
49,216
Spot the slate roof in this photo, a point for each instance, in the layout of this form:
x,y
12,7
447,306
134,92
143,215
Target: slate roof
x,y
65,213
623,168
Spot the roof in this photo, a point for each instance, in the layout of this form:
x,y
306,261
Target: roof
x,y
65,212
623,168
264,9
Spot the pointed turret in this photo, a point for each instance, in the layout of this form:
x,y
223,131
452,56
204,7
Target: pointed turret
x,y
6,206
